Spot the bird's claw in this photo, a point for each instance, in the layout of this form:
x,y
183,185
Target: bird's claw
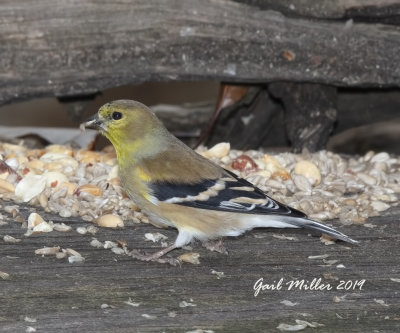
x,y
152,257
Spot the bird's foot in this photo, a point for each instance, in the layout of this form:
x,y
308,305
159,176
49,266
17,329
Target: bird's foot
x,y
156,257
217,246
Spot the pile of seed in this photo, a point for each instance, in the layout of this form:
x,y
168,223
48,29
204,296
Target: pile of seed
x,y
85,183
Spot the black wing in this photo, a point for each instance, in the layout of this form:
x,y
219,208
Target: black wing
x,y
229,193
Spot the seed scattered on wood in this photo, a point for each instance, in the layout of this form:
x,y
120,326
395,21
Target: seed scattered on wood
x,y
349,188
6,186
308,170
43,227
190,257
30,319
110,221
11,239
292,238
30,186
321,256
154,237
327,240
60,149
302,183
54,178
72,252
272,165
338,299
218,151
96,243
244,163
299,326
185,304
34,219
47,251
118,250
379,206
43,200
380,302
61,227
61,255
131,303
218,274
92,230
288,303
12,209
88,156
110,245
75,259
81,230
89,188
147,316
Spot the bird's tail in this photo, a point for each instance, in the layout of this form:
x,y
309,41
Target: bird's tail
x,y
279,221
316,226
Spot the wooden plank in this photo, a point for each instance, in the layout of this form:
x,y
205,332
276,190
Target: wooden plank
x,y
68,297
384,11
82,47
310,113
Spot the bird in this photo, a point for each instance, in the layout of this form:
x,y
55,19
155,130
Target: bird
x,y
177,187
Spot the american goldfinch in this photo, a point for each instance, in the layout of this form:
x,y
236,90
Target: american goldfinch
x,y
176,187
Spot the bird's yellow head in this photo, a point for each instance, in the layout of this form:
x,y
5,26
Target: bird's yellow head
x,y
129,125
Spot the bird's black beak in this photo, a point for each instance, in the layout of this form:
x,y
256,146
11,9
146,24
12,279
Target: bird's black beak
x,y
94,122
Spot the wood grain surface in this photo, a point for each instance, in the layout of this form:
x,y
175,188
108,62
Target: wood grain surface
x,y
76,47
92,296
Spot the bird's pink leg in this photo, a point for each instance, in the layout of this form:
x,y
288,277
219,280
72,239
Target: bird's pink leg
x,y
154,256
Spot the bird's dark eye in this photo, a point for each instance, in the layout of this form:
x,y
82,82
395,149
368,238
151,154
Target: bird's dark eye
x,y
116,115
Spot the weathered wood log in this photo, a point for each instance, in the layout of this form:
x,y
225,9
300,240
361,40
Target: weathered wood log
x,y
383,11
186,120
373,114
380,136
229,95
76,105
357,107
310,113
82,47
246,124
367,120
